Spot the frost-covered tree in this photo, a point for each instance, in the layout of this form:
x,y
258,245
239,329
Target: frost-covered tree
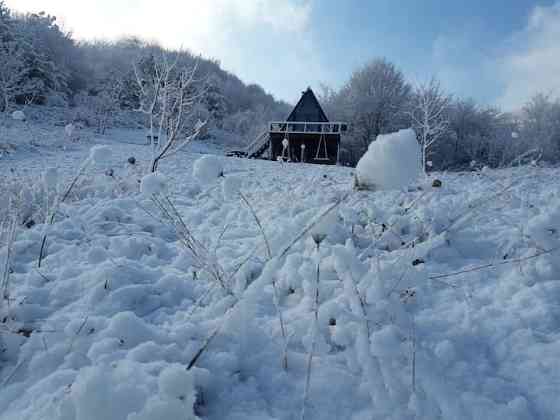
x,y
379,93
214,99
373,101
47,54
541,125
168,97
98,106
428,114
12,69
12,73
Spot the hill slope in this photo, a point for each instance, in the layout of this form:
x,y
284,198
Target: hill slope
x,y
108,325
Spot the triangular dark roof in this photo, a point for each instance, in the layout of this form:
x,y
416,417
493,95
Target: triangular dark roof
x,y
308,109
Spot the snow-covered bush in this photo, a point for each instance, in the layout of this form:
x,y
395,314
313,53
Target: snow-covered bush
x,y
28,197
393,161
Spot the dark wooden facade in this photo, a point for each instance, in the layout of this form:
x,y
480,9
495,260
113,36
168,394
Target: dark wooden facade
x,y
308,126
326,155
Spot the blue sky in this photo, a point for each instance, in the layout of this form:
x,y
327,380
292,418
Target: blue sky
x,y
458,41
461,42
495,51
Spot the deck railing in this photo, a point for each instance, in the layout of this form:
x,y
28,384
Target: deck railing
x,y
256,144
308,127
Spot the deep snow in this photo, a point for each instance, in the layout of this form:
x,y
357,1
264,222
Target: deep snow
x,y
108,324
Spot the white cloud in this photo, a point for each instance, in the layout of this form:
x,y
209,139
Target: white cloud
x,y
237,32
170,21
533,63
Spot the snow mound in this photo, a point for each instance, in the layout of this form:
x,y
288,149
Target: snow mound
x,y
207,169
153,184
127,390
391,162
18,115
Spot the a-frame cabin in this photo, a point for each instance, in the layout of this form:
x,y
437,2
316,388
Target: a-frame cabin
x,y
305,136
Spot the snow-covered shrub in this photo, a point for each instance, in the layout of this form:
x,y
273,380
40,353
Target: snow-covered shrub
x,y
28,197
208,169
393,161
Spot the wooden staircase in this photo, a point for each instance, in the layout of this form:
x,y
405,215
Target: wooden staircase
x,y
258,146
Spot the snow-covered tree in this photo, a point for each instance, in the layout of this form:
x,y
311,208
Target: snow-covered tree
x,y
46,52
214,100
373,101
428,114
541,125
13,69
379,93
12,72
168,96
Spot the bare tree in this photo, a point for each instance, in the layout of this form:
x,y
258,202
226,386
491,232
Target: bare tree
x,y
168,96
428,114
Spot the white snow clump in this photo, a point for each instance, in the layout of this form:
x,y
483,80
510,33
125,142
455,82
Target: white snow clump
x,y
392,161
207,169
69,130
18,116
153,184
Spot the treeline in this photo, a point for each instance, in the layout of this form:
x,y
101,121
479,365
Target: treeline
x,y
457,133
42,64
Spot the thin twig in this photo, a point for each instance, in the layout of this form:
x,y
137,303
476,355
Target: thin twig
x,y
492,265
259,224
276,296
313,224
313,333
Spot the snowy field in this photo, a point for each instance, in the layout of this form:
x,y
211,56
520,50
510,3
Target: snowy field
x,y
434,303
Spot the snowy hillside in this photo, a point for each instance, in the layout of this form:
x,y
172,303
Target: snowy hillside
x,y
433,303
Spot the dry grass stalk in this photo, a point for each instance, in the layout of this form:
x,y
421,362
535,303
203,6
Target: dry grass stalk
x,y
276,297
57,205
318,239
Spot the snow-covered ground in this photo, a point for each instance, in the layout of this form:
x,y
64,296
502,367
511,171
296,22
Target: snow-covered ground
x,y
408,324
